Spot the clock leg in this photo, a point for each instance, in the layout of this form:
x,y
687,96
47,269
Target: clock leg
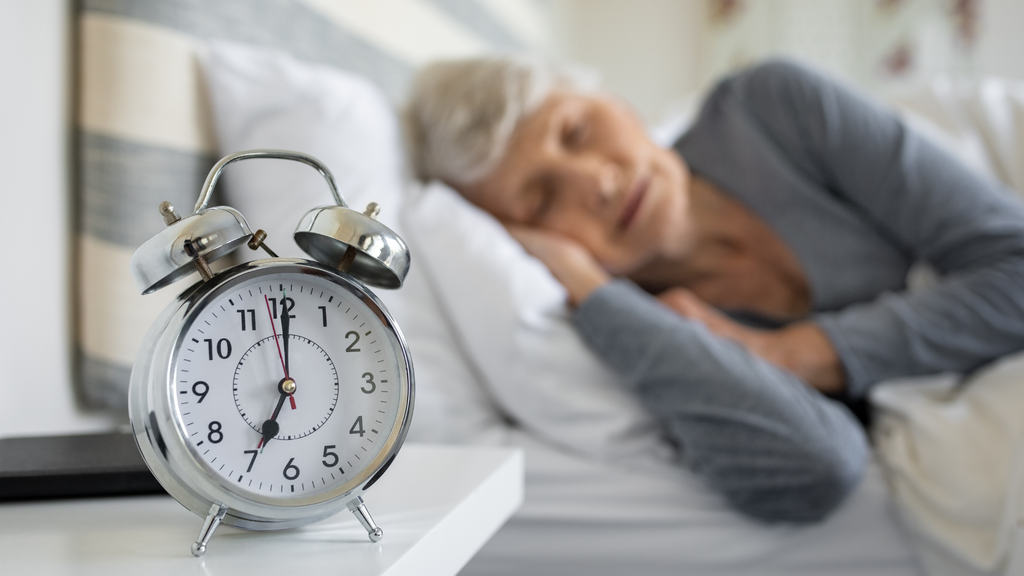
x,y
359,509
217,512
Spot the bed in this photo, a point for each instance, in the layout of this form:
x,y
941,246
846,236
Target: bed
x,y
167,87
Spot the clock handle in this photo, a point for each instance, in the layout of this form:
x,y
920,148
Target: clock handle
x,y
217,512
359,509
211,179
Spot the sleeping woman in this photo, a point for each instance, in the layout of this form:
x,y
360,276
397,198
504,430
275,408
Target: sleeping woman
x,y
748,283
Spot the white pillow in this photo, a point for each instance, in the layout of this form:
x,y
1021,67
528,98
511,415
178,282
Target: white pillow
x,y
511,317
267,99
451,407
981,123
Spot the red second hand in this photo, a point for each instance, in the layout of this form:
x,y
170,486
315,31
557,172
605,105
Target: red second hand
x,y
279,355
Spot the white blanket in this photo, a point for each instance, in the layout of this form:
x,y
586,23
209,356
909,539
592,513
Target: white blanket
x,y
954,458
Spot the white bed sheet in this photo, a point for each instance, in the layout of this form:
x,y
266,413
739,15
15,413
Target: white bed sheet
x,y
582,516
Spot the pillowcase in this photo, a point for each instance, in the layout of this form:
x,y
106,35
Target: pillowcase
x,y
981,123
267,99
510,315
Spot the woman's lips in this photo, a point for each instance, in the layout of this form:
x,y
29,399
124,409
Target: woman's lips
x,y
632,204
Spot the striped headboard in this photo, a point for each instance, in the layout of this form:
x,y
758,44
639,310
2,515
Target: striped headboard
x,y
145,134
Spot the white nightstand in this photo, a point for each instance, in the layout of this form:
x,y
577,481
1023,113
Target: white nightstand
x,y
437,505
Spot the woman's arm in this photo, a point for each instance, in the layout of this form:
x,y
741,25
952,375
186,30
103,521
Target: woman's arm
x,y
800,347
776,448
567,260
921,200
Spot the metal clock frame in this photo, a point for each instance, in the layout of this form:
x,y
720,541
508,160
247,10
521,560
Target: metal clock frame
x,y
351,249
163,441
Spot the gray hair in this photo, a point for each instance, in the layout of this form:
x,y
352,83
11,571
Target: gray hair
x,y
461,113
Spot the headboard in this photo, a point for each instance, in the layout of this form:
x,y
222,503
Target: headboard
x,y
144,131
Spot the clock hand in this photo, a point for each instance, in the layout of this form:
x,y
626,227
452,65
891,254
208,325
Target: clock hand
x,y
286,323
270,427
279,355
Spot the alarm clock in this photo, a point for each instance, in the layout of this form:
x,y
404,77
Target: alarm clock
x,y
274,393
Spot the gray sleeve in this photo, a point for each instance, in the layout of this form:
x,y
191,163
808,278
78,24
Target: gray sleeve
x,y
970,229
777,449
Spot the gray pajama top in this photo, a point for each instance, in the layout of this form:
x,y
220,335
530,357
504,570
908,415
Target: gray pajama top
x,y
858,199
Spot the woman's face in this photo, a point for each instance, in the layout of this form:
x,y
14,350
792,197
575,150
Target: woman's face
x,y
583,166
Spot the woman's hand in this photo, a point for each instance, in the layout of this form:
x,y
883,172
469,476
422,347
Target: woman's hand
x,y
569,262
801,348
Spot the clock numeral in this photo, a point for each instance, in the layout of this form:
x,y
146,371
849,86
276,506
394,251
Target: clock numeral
x,y
357,427
368,376
328,453
323,314
215,432
253,461
223,348
200,389
290,466
286,306
252,319
352,346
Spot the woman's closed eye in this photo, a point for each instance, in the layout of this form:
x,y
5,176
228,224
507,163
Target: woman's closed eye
x,y
574,133
544,198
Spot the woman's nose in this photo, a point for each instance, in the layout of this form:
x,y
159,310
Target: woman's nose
x,y
603,184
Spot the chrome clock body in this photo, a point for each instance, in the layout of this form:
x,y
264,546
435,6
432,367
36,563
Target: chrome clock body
x,y
273,394
163,435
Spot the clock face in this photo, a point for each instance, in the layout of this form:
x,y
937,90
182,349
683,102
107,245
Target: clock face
x,y
288,386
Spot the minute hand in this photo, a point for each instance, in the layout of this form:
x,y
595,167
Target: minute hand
x,y
285,329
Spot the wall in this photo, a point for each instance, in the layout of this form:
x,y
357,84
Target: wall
x,y
1000,48
34,173
647,51
657,53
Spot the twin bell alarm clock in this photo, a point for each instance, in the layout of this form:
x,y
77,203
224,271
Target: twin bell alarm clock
x,y
274,393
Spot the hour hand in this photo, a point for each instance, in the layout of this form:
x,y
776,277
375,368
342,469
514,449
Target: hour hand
x,y
270,426
270,429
